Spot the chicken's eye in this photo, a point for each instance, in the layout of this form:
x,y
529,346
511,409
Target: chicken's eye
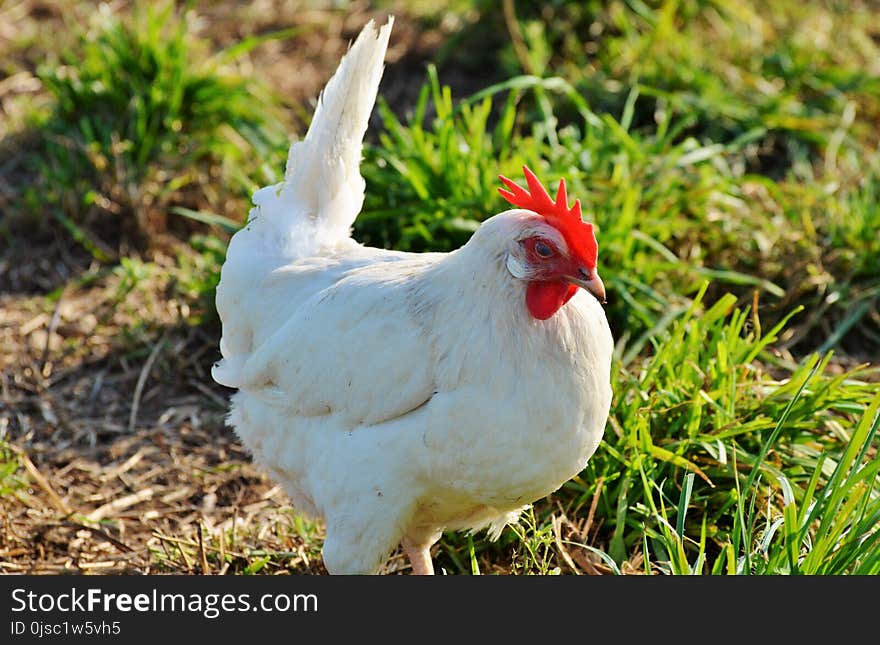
x,y
543,249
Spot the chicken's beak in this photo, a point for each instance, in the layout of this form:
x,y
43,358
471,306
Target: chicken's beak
x,y
590,281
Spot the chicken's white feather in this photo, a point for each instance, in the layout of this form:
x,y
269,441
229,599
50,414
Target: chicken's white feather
x,y
397,395
323,190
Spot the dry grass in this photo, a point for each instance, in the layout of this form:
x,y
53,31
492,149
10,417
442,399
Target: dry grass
x,y
127,458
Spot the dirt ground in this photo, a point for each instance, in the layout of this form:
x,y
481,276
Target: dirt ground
x,y
109,404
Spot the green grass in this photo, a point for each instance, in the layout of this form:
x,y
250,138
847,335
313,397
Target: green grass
x,y
10,469
788,68
705,403
144,118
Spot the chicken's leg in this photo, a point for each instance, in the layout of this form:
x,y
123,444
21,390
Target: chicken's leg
x,y
419,554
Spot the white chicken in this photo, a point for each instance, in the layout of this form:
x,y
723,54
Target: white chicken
x,y
397,395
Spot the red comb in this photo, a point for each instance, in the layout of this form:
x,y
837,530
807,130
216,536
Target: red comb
x,y
578,234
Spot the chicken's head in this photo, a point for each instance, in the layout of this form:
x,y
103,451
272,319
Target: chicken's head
x,y
555,252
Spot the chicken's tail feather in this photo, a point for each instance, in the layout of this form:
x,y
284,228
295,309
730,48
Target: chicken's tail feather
x,y
323,191
311,212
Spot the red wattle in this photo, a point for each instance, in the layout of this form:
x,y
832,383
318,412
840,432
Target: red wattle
x,y
545,298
